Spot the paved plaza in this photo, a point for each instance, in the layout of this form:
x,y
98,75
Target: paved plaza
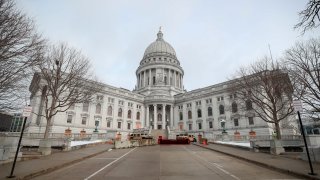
x,y
161,162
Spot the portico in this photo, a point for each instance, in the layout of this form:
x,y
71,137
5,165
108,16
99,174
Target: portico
x,y
159,115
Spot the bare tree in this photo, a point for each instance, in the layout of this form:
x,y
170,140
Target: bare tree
x,y
309,17
20,49
64,80
303,64
265,91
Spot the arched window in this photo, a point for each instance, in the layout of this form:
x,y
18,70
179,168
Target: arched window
x,y
120,112
234,107
221,109
98,108
189,115
209,111
159,117
181,116
129,114
138,115
165,80
85,107
248,104
109,111
199,113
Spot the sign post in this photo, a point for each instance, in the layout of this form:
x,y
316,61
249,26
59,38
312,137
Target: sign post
x,y
26,113
297,104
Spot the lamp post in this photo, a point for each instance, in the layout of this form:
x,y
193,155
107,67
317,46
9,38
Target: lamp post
x,y
223,124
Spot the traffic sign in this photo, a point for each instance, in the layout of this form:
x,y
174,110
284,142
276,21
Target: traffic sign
x,y
27,111
297,104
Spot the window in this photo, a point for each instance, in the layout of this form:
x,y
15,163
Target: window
x,y
234,107
189,115
69,119
209,111
120,112
99,98
180,107
251,122
189,105
85,107
129,114
181,116
221,109
109,111
199,113
165,80
233,96
96,122
200,126
138,115
248,104
236,122
153,80
209,101
198,103
220,98
108,124
119,125
190,127
159,117
120,102
84,120
210,124
110,100
98,108
129,126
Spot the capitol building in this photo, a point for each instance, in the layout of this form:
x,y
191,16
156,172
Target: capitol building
x,y
158,102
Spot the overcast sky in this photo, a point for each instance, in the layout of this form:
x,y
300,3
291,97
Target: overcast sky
x,y
212,38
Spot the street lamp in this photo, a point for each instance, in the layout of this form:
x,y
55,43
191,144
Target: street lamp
x,y
223,124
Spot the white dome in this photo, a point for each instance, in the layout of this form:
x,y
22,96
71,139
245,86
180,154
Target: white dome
x,y
159,47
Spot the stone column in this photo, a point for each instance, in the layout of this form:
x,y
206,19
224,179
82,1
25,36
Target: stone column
x,y
174,78
150,78
169,76
171,116
163,116
147,117
138,81
155,122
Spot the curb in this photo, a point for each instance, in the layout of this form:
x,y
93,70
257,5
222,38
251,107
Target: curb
x,y
290,172
54,168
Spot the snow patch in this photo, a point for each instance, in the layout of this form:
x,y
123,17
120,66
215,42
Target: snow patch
x,y
244,144
79,143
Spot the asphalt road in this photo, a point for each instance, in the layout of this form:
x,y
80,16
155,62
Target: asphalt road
x,y
164,162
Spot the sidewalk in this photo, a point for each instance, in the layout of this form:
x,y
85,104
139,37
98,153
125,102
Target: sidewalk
x,y
287,165
31,168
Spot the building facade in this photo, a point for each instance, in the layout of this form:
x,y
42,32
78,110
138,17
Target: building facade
x,y
158,101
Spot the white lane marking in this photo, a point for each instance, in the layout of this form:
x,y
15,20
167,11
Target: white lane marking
x,y
214,164
95,173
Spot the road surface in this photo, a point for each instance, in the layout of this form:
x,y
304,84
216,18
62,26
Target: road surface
x,y
164,162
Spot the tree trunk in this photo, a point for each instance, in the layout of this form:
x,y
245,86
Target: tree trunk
x,y
46,132
277,125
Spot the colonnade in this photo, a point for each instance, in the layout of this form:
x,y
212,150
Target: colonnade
x,y
170,77
152,115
